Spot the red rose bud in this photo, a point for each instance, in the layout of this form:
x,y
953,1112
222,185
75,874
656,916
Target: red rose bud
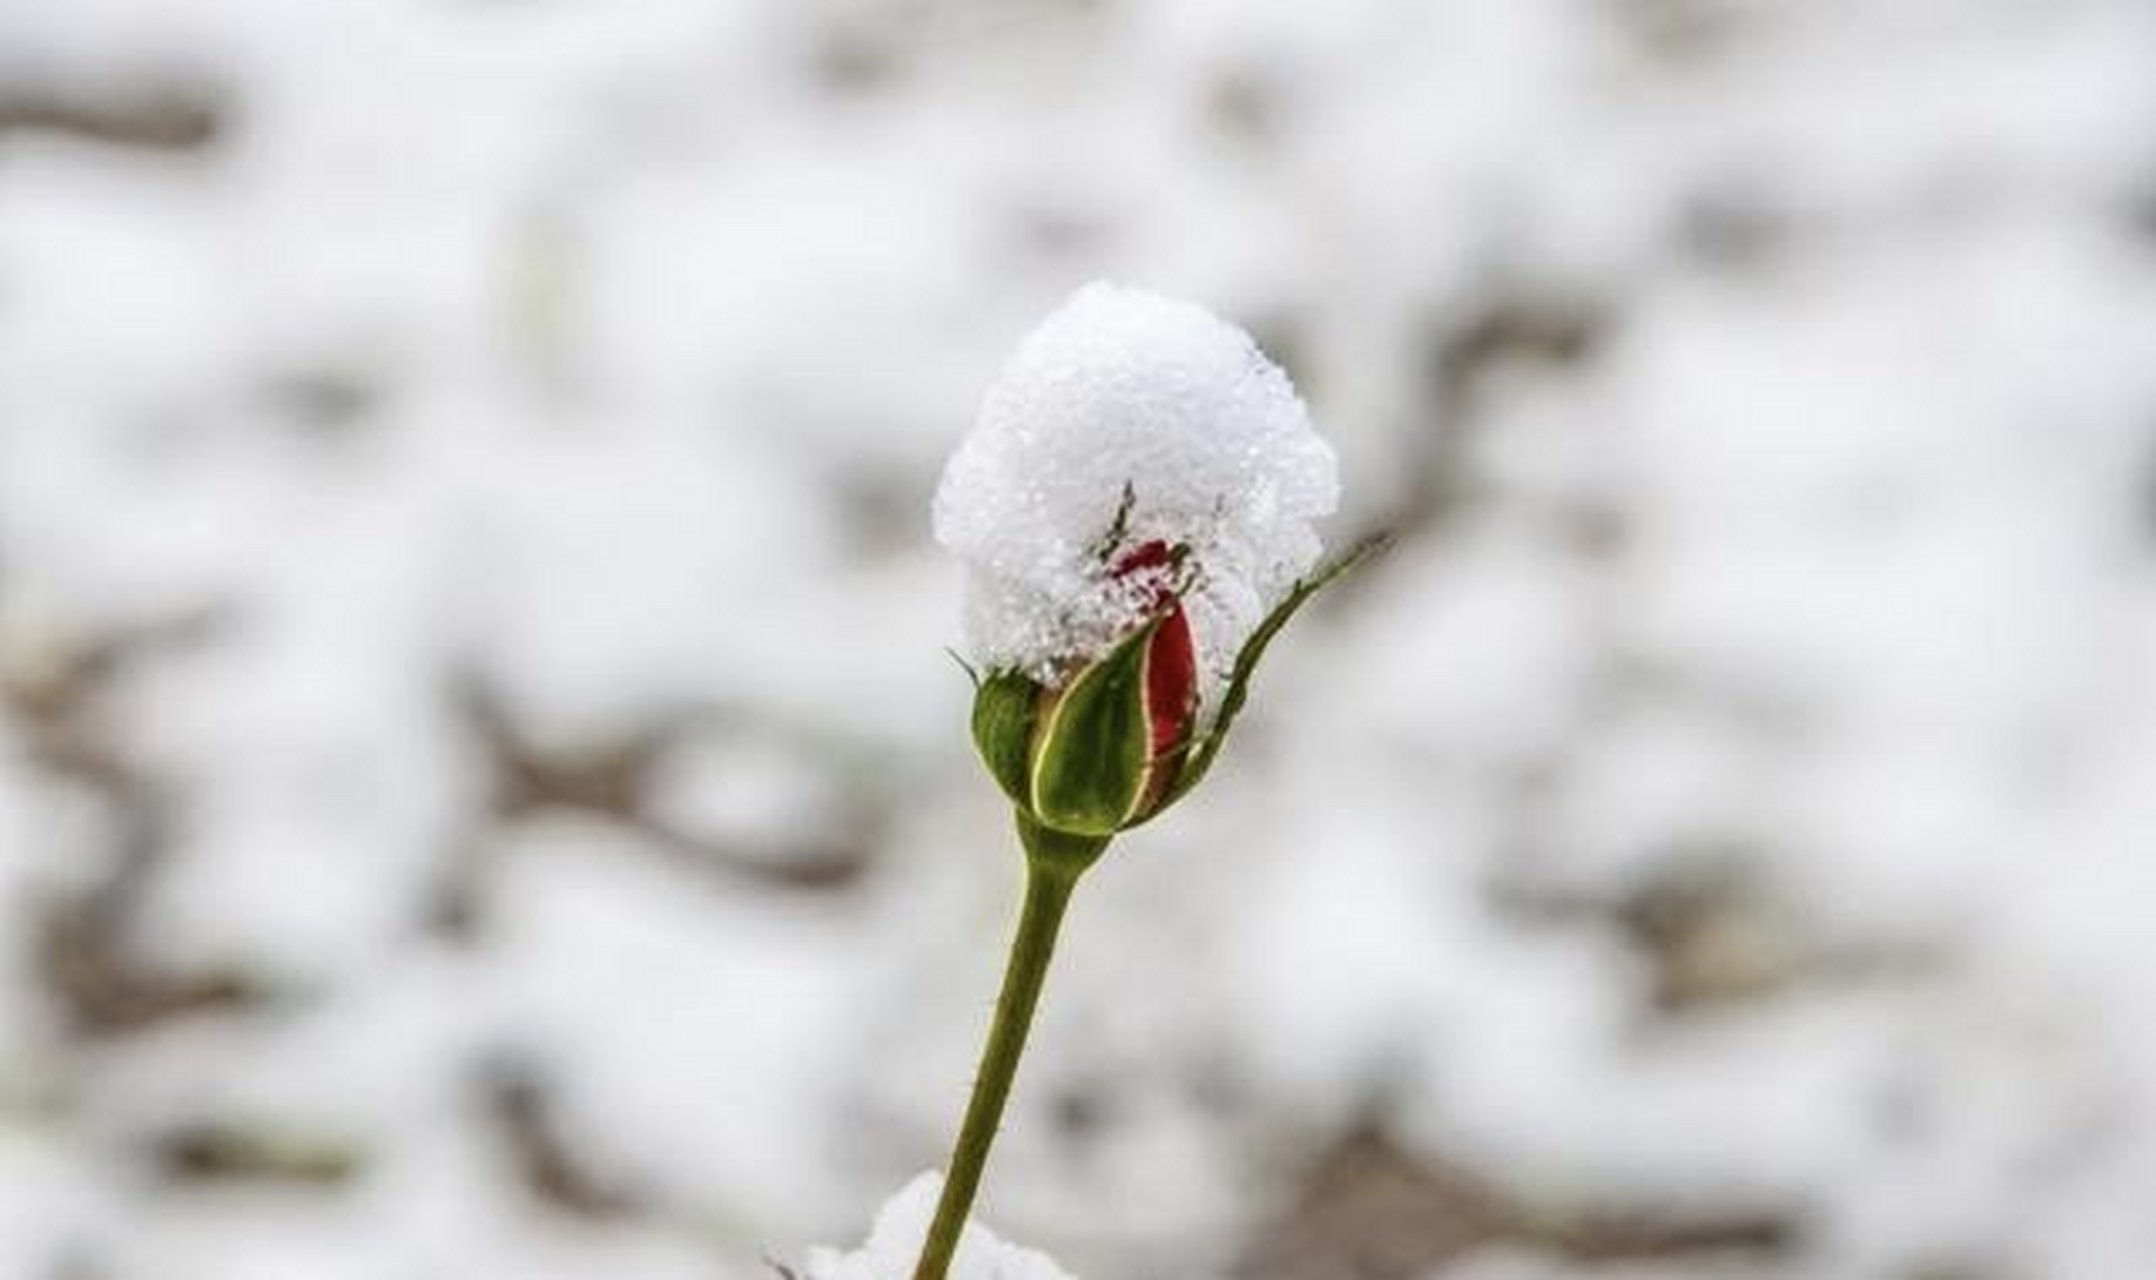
x,y
1101,751
1115,743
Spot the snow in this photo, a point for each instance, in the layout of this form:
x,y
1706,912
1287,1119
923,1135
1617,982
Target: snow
x,y
1123,394
895,1245
466,586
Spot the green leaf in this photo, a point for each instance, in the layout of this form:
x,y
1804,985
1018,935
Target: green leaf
x,y
1004,707
1090,759
1206,748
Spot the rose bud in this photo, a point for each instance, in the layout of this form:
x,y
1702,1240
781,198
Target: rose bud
x,y
1135,511
1117,741
1098,752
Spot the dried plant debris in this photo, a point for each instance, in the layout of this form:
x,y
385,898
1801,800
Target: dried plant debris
x,y
521,1107
103,987
1711,937
1714,935
1516,327
1540,329
55,688
1367,1210
56,682
218,1150
615,780
603,779
155,111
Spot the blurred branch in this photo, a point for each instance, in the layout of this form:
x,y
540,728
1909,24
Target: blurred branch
x,y
54,687
150,113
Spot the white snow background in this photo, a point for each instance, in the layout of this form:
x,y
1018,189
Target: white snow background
x,y
481,794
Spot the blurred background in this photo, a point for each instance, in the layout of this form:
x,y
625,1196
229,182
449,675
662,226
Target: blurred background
x,y
481,793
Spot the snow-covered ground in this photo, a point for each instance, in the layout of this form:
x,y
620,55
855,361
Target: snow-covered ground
x,y
481,794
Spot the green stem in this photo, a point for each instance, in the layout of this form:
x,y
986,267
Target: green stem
x,y
1049,881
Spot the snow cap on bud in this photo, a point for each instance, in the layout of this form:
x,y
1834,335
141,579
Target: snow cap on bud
x,y
1134,509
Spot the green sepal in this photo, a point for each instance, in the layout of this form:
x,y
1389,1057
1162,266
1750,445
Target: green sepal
x,y
1005,704
1091,750
1205,748
1062,852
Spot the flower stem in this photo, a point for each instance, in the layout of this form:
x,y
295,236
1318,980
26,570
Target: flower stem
x,y
1049,881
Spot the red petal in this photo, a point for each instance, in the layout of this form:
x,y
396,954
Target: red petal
x,y
1171,681
1146,555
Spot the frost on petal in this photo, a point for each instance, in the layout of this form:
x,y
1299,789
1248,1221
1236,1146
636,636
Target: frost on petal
x,y
1125,397
894,1245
